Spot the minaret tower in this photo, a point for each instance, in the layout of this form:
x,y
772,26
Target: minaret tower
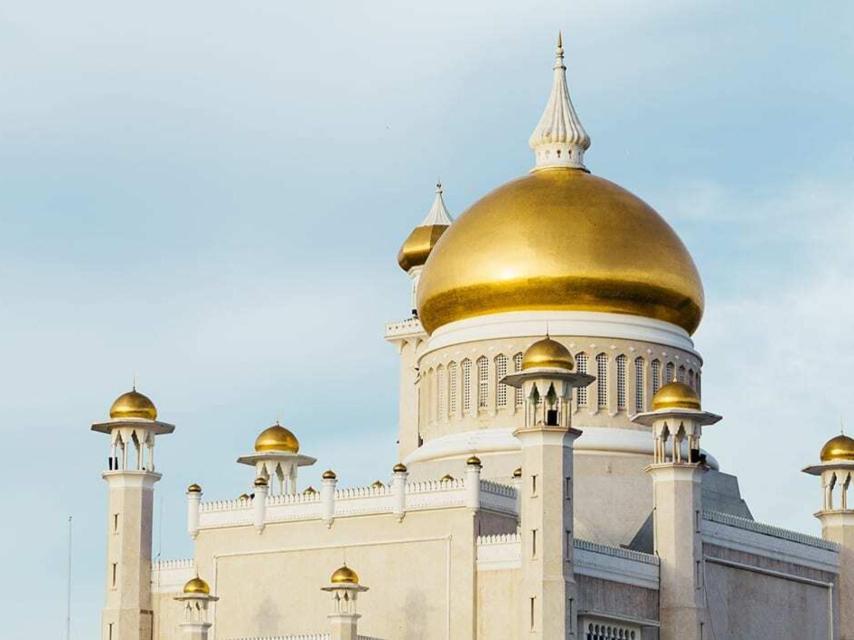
x,y
548,593
836,471
345,589
409,334
277,459
677,421
195,601
130,477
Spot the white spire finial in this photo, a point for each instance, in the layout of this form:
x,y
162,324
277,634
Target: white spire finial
x,y
438,214
559,139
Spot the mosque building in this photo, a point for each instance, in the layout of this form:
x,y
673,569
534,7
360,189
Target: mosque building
x,y
551,482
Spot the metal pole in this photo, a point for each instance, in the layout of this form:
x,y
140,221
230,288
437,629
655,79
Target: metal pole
x,y
68,601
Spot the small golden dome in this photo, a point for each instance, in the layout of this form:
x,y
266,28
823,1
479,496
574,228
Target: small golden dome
x,y
276,438
399,468
517,473
329,474
474,461
675,395
560,239
310,491
260,482
377,484
194,488
197,585
243,496
447,477
133,404
837,449
548,353
344,575
418,245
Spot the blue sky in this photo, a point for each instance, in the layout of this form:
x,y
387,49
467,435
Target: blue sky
x,y
210,196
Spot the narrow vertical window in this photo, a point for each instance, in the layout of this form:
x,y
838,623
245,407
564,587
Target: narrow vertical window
x,y
431,395
443,391
482,382
668,373
452,388
581,365
602,380
532,612
698,388
517,367
466,367
568,552
567,489
110,631
533,543
621,382
533,485
115,573
639,385
691,378
656,376
115,523
681,374
500,387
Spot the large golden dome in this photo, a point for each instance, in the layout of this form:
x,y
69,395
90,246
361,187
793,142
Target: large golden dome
x,y
560,239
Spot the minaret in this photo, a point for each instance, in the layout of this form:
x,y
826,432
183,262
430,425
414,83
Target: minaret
x,y
130,477
677,420
345,589
195,600
277,459
409,334
559,140
836,471
548,593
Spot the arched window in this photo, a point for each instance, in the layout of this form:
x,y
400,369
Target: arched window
x,y
656,376
443,391
691,378
698,388
452,388
668,373
602,380
431,396
621,382
482,381
681,374
639,385
517,367
581,367
466,367
500,387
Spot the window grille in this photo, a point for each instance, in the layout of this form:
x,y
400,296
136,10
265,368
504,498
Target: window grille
x,y
639,385
500,387
452,388
656,376
466,367
602,380
681,374
443,391
517,367
691,378
581,365
431,395
621,382
482,381
668,373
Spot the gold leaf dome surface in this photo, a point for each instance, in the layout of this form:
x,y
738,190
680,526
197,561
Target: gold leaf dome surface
x,y
133,404
839,448
197,585
344,575
548,353
675,395
560,239
276,438
418,245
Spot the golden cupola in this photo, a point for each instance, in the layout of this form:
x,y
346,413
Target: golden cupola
x,y
418,245
133,404
560,239
837,449
675,395
548,353
276,438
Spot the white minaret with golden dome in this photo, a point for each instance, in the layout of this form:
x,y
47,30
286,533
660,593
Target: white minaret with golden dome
x,y
548,594
277,459
130,478
559,140
345,589
195,599
677,420
836,515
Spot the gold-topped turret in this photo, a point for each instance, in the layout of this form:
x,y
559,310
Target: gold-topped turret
x,y
133,404
277,438
838,448
676,395
197,585
418,245
344,575
548,353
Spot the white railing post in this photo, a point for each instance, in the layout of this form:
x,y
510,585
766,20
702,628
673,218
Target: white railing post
x,y
398,489
473,467
260,503
194,500
327,496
